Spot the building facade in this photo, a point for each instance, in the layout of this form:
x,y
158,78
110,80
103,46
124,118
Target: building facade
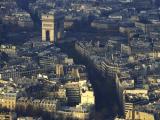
x,y
52,27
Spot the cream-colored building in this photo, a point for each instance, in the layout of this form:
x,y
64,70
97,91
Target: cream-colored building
x,y
75,73
52,26
128,107
59,70
68,61
135,115
146,27
79,115
136,91
48,105
87,97
8,100
132,114
8,116
8,49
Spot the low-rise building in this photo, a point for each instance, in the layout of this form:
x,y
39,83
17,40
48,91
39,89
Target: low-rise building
x,y
8,49
8,100
136,115
8,116
47,105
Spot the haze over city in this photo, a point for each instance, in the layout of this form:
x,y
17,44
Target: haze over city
x,y
79,59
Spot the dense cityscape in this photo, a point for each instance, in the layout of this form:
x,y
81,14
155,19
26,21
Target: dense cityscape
x,y
79,59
